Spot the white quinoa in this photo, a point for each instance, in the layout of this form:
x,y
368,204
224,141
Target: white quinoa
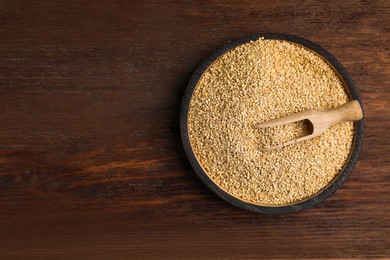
x,y
254,83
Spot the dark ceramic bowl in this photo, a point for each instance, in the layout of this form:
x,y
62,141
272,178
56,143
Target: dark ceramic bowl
x,y
298,206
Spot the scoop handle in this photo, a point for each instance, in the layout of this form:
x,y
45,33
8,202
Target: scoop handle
x,y
350,111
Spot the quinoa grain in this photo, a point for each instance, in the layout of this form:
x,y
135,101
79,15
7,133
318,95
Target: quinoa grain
x,y
253,83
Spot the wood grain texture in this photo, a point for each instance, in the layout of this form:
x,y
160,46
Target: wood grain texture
x,y
91,163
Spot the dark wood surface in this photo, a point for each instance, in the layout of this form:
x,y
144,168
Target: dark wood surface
x,y
91,163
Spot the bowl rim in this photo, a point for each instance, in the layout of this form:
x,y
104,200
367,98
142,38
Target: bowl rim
x,y
304,204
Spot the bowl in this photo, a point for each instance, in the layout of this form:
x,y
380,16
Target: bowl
x,y
335,184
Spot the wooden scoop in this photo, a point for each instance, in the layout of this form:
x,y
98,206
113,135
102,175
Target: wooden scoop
x,y
320,120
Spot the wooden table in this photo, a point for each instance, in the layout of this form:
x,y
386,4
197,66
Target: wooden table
x,y
91,162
